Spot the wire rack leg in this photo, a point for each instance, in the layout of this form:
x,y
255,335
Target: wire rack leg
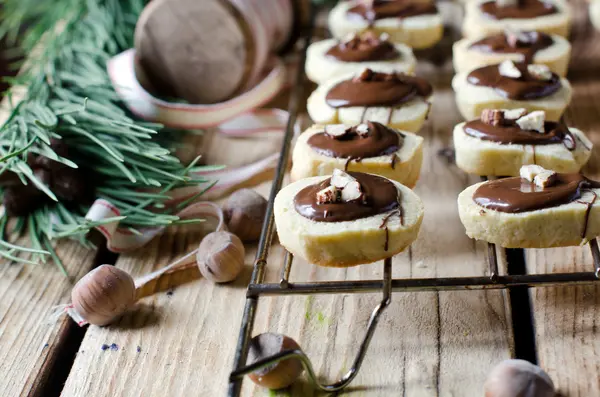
x,y
360,356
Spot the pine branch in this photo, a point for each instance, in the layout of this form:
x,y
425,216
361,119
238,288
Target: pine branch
x,y
70,99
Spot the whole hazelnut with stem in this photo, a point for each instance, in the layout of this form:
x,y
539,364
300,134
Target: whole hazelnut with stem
x,y
518,378
278,375
102,295
244,214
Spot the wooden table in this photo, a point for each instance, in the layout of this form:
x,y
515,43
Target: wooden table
x,y
180,341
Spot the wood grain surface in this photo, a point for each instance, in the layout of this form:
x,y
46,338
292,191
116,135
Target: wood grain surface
x,y
427,344
567,319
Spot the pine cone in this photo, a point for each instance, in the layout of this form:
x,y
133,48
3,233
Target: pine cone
x,y
20,200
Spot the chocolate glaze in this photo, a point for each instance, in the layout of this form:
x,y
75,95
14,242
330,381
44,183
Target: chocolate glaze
x,y
381,141
525,9
514,195
510,132
363,48
524,88
380,196
377,89
498,43
392,9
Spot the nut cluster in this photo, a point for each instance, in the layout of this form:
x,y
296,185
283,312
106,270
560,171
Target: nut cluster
x,y
517,38
538,72
364,41
533,121
369,75
539,176
339,131
343,188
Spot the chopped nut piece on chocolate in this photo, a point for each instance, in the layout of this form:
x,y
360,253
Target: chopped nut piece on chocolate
x,y
514,114
506,3
340,179
545,178
362,129
533,121
540,72
509,69
365,75
529,172
328,195
514,37
336,130
352,191
492,116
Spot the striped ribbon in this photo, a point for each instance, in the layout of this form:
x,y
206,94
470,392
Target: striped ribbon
x,y
270,22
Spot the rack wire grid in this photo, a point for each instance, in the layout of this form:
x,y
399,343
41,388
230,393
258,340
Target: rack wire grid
x,y
386,285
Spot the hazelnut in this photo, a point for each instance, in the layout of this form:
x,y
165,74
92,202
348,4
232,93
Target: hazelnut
x,y
281,374
244,214
518,378
220,257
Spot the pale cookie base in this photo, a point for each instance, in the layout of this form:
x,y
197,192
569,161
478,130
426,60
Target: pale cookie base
x,y
559,226
350,243
480,157
417,32
407,167
409,116
556,57
595,13
320,67
476,24
472,99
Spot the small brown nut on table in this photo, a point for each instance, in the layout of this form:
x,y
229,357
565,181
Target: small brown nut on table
x,y
281,374
518,378
244,214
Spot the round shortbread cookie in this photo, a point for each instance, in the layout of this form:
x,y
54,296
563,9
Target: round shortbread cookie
x,y
320,67
472,99
348,243
477,24
556,57
306,162
482,157
558,226
417,32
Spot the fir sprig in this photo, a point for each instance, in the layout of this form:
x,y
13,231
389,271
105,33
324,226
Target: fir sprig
x,y
70,98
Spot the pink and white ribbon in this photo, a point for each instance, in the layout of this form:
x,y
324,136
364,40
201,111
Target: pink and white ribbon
x,y
238,117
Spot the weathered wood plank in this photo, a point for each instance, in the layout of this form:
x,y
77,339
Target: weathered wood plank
x,y
30,340
31,343
566,318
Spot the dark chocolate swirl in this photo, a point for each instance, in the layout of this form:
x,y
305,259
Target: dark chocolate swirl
x,y
380,9
379,196
499,43
380,141
514,195
509,132
524,9
377,89
364,48
523,88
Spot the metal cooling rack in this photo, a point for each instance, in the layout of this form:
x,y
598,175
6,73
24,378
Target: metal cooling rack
x,y
387,284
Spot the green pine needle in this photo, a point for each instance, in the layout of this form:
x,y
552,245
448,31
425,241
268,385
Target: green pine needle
x,y
70,97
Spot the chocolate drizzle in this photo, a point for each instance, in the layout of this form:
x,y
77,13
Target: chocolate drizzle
x,y
524,9
514,195
380,141
363,48
380,9
523,88
377,89
499,43
510,133
379,196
